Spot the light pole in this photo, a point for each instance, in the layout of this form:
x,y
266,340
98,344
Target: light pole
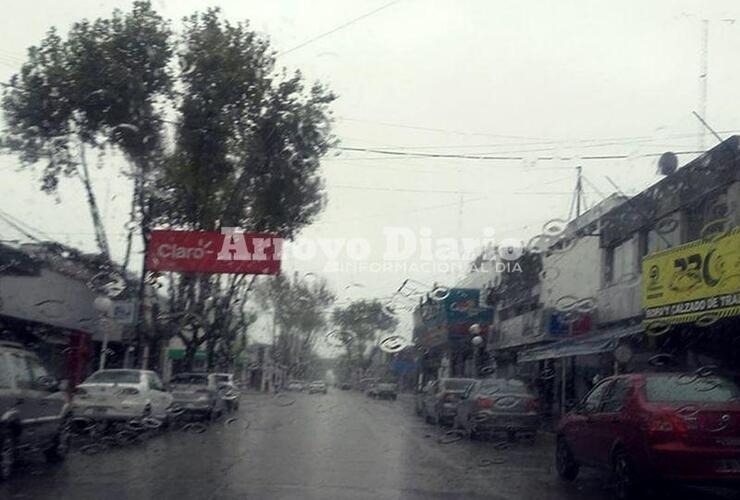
x,y
476,341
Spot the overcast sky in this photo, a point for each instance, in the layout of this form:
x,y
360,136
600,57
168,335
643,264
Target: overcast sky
x,y
530,79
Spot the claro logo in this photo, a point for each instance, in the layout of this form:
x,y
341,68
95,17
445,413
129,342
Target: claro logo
x,y
235,246
175,251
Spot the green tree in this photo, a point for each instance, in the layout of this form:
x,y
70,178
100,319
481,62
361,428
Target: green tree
x,y
105,85
248,138
248,144
299,311
361,323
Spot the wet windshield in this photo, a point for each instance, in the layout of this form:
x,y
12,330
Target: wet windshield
x,y
686,389
114,377
405,249
457,384
499,385
190,379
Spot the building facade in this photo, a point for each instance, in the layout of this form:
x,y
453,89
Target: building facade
x,y
629,282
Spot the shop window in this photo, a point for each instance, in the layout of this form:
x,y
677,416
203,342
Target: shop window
x,y
4,372
642,249
20,372
608,266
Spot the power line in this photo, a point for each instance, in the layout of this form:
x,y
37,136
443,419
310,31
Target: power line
x,y
485,156
341,26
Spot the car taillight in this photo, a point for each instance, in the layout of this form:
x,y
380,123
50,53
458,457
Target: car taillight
x,y
448,397
129,391
666,426
485,403
533,405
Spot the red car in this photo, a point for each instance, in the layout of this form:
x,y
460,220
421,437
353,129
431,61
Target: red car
x,y
655,428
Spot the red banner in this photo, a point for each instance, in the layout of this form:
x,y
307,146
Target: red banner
x,y
209,252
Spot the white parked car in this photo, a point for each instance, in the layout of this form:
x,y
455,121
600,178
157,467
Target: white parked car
x,y
111,395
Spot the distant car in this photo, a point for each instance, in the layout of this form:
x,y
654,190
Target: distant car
x,y
498,405
34,413
654,428
295,385
197,395
345,386
317,386
121,395
439,401
383,390
227,389
366,384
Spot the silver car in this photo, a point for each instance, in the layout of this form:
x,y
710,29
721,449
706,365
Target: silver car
x,y
33,405
196,395
498,405
439,400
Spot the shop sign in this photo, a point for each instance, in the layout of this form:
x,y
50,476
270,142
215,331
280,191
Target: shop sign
x,y
696,282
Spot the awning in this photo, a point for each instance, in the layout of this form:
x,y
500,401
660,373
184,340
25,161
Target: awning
x,y
603,341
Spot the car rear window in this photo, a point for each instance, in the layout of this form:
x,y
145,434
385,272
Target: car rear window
x,y
190,379
114,377
691,389
459,384
491,386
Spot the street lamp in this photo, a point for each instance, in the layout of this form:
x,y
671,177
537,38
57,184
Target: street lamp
x,y
477,340
104,306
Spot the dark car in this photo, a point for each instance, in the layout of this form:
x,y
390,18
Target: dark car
x,y
654,428
439,404
498,405
34,411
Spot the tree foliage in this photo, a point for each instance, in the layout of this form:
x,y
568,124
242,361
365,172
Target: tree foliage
x,y
299,313
214,133
363,320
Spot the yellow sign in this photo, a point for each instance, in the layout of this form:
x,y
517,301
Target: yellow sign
x,y
696,282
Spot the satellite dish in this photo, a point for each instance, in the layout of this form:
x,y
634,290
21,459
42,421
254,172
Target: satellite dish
x,y
667,164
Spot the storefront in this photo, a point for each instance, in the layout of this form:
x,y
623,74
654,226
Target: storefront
x,y
691,299
564,371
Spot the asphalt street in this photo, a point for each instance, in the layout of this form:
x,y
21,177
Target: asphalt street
x,y
299,446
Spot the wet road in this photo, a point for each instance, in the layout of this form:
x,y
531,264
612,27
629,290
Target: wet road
x,y
300,446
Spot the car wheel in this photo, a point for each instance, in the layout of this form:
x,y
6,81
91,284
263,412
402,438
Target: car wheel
x,y
470,431
60,445
7,455
427,416
626,484
564,462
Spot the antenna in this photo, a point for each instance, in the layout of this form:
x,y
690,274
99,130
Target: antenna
x,y
578,195
703,77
